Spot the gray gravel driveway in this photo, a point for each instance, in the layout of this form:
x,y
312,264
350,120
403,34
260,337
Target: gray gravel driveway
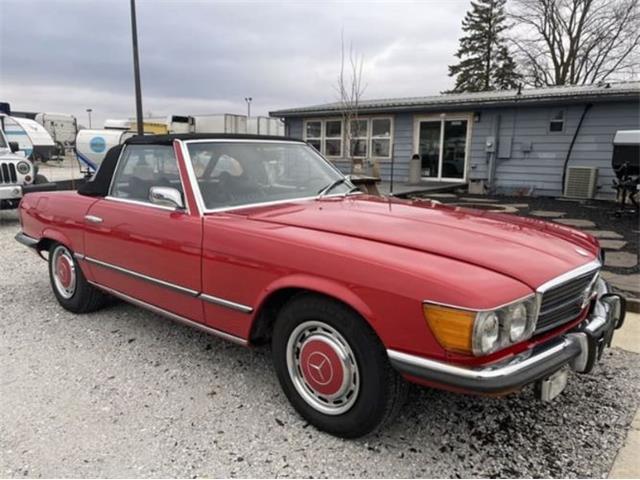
x,y
125,393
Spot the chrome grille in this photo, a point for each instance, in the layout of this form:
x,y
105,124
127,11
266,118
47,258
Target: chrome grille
x,y
562,303
8,173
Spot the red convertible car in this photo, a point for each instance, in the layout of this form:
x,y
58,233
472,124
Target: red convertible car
x,y
261,240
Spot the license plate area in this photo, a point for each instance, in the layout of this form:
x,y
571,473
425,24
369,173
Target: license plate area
x,y
549,388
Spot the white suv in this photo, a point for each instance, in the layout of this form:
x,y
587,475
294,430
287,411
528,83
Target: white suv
x,y
15,172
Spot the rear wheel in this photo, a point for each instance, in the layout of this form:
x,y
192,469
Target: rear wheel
x,y
333,368
69,285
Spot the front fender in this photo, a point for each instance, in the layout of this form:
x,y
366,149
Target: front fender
x,y
324,286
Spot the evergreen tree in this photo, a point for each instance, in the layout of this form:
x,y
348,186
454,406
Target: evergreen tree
x,y
485,62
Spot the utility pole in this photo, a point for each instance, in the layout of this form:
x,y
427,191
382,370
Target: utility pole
x,y
248,100
136,68
89,110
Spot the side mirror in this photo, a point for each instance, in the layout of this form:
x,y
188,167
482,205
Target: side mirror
x,y
14,146
166,196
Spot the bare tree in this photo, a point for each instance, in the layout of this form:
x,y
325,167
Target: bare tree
x,y
576,42
350,89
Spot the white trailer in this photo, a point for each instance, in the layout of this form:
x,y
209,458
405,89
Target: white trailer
x,y
93,145
62,127
220,123
172,123
265,126
31,137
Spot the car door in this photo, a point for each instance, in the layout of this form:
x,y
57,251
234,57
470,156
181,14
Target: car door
x,y
141,249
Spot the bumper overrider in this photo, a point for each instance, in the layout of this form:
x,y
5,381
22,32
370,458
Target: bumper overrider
x,y
580,349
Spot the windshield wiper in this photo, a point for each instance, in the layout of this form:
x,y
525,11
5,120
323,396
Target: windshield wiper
x,y
323,191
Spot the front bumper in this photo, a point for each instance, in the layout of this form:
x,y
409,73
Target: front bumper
x,y
581,349
10,196
10,192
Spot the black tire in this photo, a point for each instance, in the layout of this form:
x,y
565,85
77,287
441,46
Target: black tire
x,y
84,297
40,179
379,389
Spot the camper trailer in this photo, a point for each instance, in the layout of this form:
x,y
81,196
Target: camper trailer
x,y
31,137
62,127
93,145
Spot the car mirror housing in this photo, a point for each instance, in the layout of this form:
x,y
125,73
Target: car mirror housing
x,y
166,196
14,146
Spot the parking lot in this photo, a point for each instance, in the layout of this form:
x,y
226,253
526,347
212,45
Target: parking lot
x,y
123,392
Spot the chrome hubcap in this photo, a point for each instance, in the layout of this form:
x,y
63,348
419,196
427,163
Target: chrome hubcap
x,y
64,272
323,368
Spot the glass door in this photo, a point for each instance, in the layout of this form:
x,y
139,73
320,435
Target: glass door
x,y
442,147
429,149
454,149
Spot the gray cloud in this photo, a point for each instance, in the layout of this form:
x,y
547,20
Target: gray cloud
x,y
206,56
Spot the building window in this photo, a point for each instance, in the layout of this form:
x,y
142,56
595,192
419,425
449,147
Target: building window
x,y
556,124
359,139
325,136
313,134
369,137
381,137
333,138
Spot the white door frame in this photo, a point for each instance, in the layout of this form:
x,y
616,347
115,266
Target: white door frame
x,y
441,118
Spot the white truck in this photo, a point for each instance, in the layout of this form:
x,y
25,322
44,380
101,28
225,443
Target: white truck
x,y
16,172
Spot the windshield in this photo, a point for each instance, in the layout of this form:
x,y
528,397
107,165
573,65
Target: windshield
x,y
233,174
3,141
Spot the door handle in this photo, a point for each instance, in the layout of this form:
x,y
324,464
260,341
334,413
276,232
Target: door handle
x,y
92,219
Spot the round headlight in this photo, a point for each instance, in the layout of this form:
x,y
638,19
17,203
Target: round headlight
x,y
517,321
486,333
23,168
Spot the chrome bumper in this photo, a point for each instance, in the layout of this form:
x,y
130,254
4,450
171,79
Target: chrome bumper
x,y
26,240
581,349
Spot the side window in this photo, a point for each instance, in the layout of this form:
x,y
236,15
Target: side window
x,y
142,167
556,124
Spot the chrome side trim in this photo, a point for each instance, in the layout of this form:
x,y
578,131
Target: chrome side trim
x,y
187,291
468,309
140,276
26,240
226,303
172,316
78,255
565,277
146,204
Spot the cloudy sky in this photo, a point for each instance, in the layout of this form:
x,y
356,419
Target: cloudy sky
x,y
206,56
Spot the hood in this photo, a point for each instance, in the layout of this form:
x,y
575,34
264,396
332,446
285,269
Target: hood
x,y
529,250
6,155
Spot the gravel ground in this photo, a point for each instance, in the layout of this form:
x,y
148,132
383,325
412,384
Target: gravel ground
x,y
125,393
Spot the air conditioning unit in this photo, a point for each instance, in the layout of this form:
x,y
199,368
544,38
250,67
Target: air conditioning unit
x,y
581,182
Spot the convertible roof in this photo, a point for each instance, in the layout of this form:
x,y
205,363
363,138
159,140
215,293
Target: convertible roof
x,y
167,139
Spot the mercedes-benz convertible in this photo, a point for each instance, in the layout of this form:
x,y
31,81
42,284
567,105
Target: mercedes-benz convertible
x,y
260,240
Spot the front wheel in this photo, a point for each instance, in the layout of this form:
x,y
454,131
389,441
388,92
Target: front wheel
x,y
69,285
333,368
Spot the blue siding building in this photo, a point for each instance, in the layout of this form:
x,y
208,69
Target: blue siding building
x,y
505,142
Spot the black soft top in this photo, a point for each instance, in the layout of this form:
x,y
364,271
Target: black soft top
x,y
169,138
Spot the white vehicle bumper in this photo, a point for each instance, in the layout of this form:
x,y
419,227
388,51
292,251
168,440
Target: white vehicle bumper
x,y
10,192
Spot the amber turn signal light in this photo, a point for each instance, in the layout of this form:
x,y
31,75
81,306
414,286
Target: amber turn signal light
x,y
452,328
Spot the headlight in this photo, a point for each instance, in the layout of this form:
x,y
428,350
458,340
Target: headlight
x,y
482,332
23,167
